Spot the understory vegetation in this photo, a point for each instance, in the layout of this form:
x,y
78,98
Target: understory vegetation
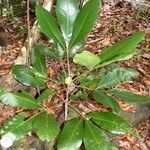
x,y
83,75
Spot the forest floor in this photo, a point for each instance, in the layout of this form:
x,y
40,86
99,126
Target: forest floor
x,y
116,21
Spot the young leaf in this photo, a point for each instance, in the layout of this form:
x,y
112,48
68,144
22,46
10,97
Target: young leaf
x,y
110,122
106,100
46,126
38,61
86,59
94,138
84,21
46,52
17,99
15,129
28,76
71,135
67,11
45,95
48,25
129,96
116,76
123,47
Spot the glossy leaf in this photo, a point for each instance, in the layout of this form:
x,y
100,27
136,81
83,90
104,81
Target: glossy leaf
x,y
94,138
46,95
87,59
38,61
46,52
67,11
19,99
110,122
116,76
15,129
48,25
122,47
71,135
106,100
85,21
46,126
28,76
130,97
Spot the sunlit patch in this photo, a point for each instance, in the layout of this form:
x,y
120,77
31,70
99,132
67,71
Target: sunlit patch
x,y
7,140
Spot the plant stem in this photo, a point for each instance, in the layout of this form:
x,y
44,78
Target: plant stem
x,y
78,112
68,63
66,103
68,87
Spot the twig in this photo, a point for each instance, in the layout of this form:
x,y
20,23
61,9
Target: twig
x,y
78,112
29,33
66,103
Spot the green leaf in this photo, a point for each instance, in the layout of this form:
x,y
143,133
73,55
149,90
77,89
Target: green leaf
x,y
84,21
48,25
110,122
28,76
15,129
38,61
71,135
46,95
81,95
2,91
86,59
122,47
19,99
46,126
46,52
12,123
129,96
116,76
106,100
67,11
94,138
121,57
